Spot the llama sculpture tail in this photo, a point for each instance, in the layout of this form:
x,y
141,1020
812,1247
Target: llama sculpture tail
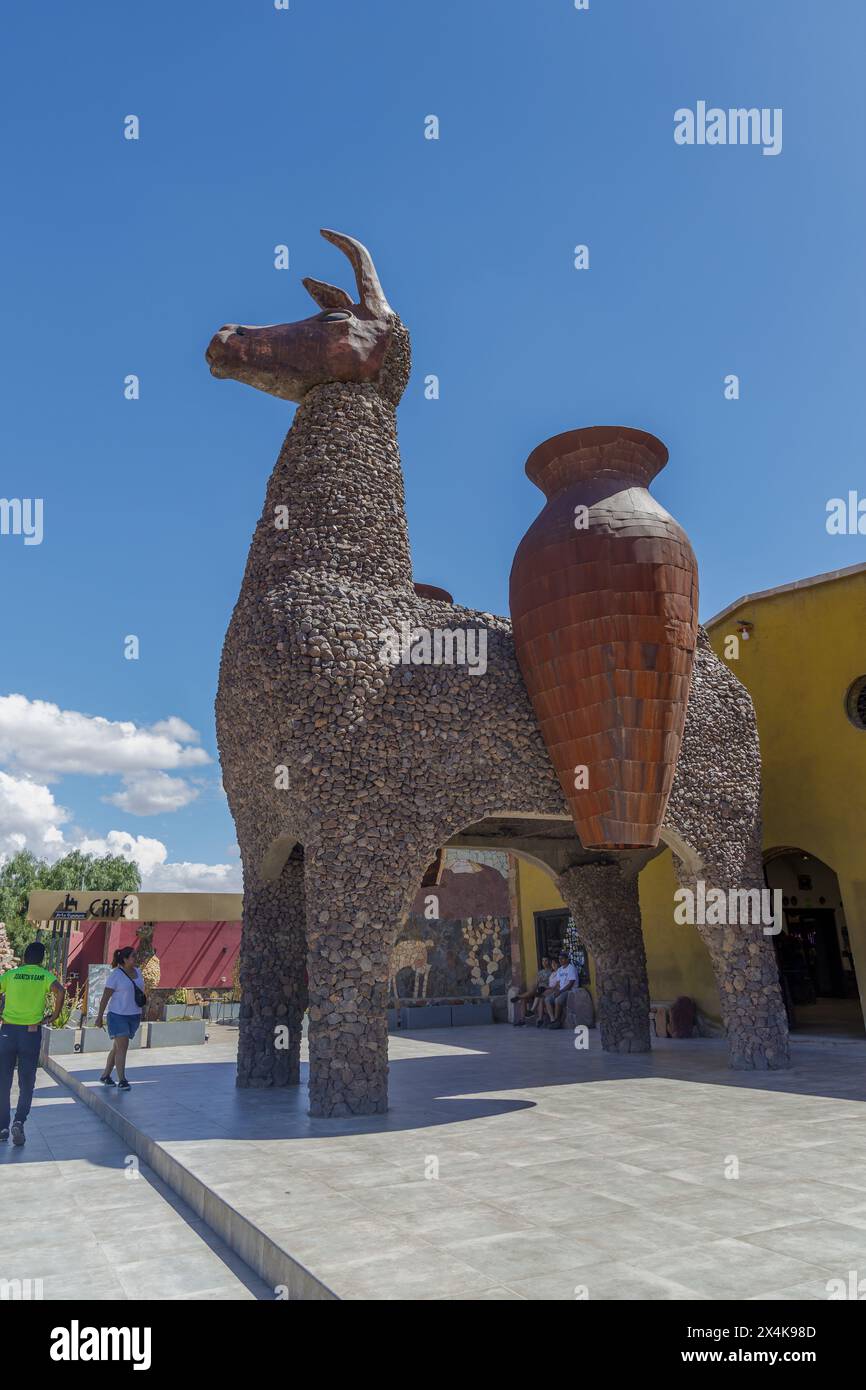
x,y
604,604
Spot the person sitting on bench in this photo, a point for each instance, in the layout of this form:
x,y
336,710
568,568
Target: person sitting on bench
x,y
529,999
554,1001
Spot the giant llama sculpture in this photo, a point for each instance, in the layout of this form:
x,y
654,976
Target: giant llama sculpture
x,y
346,776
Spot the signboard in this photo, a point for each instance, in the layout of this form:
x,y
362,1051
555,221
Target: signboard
x,y
45,905
78,906
96,978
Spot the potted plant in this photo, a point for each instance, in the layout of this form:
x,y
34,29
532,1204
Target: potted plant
x,y
59,1036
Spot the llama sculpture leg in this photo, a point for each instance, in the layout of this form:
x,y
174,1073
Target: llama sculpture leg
x,y
747,974
603,900
273,953
355,905
715,818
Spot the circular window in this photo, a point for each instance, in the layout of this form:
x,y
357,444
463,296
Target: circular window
x,y
855,703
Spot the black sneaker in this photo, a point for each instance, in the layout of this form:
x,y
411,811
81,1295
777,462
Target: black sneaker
x,y
123,1085
108,1080
4,1135
18,1136
541,1023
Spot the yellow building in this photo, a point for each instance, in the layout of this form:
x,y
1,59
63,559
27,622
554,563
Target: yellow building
x,y
800,650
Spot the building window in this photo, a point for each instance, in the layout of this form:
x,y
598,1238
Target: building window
x,y
855,703
555,932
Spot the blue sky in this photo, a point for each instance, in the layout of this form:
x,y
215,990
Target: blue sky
x,y
259,126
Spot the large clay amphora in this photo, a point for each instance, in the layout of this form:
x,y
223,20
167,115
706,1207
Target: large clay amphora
x,y
604,603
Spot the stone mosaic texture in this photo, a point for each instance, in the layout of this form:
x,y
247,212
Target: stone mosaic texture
x,y
345,775
464,951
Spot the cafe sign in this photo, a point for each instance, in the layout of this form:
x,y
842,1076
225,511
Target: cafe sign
x,y
76,907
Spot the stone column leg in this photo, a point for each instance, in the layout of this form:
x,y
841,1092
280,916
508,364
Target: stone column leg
x,y
273,988
604,904
747,975
355,908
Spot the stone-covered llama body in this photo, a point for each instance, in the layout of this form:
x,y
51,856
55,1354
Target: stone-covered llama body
x,y
345,776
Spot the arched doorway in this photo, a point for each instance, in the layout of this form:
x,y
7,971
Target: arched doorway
x,y
816,965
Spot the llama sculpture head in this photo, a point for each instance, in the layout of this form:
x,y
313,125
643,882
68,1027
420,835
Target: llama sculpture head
x,y
365,342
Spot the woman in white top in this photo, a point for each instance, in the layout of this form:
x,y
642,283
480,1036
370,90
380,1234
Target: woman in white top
x,y
124,1013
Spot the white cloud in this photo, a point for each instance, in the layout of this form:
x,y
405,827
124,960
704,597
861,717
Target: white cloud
x,y
147,853
41,738
160,876
31,819
176,728
192,878
152,793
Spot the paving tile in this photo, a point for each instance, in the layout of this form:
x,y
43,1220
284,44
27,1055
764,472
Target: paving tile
x,y
67,1233
443,1227
429,1271
726,1212
832,1244
102,1212
164,1276
613,1280
67,1287
558,1179
729,1268
156,1241
812,1290
507,1257
222,1293
498,1295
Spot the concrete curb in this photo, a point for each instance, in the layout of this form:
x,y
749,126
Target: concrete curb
x,y
856,1046
267,1259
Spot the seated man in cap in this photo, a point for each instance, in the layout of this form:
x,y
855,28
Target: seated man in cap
x,y
562,982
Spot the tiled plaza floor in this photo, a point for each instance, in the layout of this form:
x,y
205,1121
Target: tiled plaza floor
x,y
512,1166
72,1217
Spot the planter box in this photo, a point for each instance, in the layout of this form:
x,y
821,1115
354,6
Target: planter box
x,y
181,1033
440,1016
434,1016
58,1041
463,1015
176,1011
97,1039
225,1012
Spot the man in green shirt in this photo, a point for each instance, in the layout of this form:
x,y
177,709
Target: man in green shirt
x,y
24,994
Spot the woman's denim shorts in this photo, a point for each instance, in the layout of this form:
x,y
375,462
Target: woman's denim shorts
x,y
123,1025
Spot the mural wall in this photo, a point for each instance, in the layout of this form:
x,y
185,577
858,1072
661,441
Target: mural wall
x,y
457,940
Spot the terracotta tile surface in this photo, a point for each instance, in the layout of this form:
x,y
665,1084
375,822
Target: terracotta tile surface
x,y
605,622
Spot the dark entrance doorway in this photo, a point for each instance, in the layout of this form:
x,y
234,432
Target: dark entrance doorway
x,y
814,930
816,966
555,932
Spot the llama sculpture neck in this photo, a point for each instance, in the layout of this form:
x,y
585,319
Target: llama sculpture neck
x,y
335,500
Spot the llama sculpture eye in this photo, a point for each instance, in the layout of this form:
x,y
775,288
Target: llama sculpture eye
x,y
333,316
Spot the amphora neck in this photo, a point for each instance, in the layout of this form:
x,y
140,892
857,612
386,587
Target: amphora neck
x,y
596,453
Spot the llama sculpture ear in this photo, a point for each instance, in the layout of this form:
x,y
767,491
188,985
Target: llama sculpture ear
x,y
327,296
371,296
